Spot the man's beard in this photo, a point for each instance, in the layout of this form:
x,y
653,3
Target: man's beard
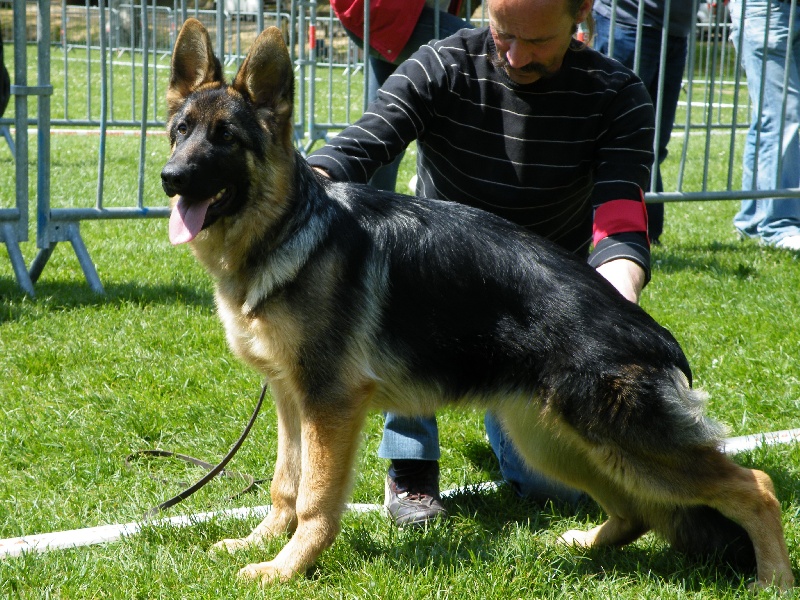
x,y
500,62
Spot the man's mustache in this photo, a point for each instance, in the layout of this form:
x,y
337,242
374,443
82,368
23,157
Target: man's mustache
x,y
501,63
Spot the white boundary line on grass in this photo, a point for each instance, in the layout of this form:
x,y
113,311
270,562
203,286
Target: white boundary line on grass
x,y
751,442
92,131
102,534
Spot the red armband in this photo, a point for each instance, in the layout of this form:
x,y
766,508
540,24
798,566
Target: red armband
x,y
619,216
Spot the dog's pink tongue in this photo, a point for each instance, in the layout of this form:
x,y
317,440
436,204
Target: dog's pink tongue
x,y
186,220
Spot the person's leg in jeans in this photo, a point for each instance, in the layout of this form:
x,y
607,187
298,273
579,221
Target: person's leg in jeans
x,y
750,214
522,479
412,483
772,153
411,443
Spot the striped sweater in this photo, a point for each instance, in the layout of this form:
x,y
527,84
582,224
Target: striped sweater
x,y
567,156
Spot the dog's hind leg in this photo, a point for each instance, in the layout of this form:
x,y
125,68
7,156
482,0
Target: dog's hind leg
x,y
704,477
747,497
625,522
330,435
548,447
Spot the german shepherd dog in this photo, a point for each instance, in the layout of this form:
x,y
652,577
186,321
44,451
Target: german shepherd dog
x,y
349,299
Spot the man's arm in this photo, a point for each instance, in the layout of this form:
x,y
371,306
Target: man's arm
x,y
390,123
621,247
625,275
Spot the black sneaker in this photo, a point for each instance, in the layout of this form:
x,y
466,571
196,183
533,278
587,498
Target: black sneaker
x,y
412,492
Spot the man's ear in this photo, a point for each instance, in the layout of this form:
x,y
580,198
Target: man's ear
x,y
584,11
193,64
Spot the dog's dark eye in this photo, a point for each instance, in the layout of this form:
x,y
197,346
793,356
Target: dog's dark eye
x,y
227,136
182,128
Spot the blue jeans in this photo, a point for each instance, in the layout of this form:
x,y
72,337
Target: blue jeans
x,y
649,68
418,438
769,161
385,178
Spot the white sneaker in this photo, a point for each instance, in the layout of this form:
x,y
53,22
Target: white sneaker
x,y
790,242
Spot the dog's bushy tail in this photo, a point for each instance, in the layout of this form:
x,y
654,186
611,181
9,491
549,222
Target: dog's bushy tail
x,y
703,532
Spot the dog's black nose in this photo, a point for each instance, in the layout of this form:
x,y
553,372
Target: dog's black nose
x,y
172,179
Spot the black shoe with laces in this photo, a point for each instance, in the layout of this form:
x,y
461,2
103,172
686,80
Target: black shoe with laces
x,y
412,492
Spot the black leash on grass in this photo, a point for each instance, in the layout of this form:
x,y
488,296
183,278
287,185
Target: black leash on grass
x,y
213,470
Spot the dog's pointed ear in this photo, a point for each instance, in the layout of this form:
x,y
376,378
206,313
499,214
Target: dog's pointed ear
x,y
267,80
193,63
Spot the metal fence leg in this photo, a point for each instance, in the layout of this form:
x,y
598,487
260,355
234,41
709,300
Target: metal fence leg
x,y
9,236
38,264
9,140
89,270
69,232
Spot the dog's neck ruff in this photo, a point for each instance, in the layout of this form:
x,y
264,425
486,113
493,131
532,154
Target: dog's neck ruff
x,y
299,240
284,264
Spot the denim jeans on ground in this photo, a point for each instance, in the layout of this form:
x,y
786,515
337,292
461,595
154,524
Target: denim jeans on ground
x,y
525,482
409,438
416,438
649,68
767,145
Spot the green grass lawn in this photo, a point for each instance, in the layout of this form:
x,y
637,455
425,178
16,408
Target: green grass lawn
x,y
87,379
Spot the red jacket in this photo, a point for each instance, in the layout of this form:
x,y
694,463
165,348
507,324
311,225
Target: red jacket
x,y
391,22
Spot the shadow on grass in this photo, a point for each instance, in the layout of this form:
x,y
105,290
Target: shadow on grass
x,y
494,509
477,536
69,295
477,532
732,259
495,532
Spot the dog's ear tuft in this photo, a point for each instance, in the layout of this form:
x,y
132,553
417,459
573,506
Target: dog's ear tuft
x,y
193,63
266,77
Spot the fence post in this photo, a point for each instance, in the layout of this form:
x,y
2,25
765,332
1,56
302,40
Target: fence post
x,y
49,230
14,221
5,80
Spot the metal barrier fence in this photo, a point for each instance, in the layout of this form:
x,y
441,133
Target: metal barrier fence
x,y
101,69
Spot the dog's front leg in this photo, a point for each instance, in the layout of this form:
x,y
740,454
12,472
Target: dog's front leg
x,y
330,439
282,517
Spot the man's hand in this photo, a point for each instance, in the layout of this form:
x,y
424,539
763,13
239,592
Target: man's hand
x,y
625,275
322,172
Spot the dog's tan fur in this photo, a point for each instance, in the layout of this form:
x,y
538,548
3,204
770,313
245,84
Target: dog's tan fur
x,y
319,425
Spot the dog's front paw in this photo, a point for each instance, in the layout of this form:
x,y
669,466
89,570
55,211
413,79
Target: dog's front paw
x,y
576,538
265,573
784,585
230,546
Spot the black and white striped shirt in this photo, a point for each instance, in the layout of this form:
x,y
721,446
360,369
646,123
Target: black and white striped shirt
x,y
567,156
